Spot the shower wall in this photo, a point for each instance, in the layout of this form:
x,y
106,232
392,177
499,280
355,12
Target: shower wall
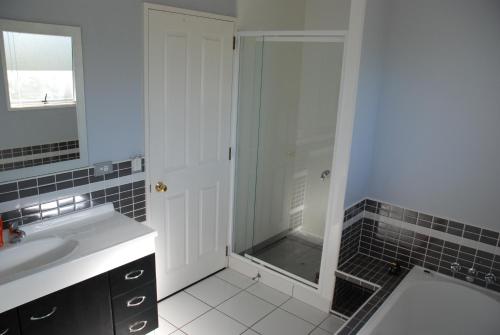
x,y
288,97
280,94
316,129
268,109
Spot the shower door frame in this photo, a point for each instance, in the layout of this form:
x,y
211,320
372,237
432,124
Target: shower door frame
x,y
293,37
321,294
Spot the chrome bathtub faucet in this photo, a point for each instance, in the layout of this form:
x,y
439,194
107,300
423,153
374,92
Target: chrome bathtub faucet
x,y
471,275
455,267
490,278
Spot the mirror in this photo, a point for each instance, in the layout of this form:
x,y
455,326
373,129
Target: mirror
x,y
42,111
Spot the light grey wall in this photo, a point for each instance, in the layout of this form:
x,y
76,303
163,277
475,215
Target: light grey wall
x,y
369,90
436,146
112,38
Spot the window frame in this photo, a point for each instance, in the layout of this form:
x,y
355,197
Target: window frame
x,y
43,29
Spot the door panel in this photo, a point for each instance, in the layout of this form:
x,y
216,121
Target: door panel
x,y
189,99
176,231
175,122
209,203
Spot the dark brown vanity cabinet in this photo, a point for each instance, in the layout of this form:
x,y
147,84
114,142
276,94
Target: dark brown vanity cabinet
x,y
122,301
133,290
9,323
81,309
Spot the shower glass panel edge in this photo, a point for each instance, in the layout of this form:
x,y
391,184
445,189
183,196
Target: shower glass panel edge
x,y
264,213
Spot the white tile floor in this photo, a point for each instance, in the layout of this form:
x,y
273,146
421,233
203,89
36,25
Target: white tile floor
x,y
229,303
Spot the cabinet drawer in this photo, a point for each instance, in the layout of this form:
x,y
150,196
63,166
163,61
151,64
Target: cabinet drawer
x,y
81,309
9,325
140,324
132,275
134,302
44,316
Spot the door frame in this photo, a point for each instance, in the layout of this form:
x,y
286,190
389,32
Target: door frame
x,y
321,295
155,7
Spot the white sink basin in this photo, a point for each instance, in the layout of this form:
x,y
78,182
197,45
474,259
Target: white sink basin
x,y
32,254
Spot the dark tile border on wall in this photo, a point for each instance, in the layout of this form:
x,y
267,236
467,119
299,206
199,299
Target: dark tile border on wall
x,y
56,182
39,149
457,242
128,198
375,271
39,161
458,229
37,155
387,233
349,246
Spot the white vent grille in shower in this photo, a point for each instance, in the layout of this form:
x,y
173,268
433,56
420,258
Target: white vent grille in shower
x,y
298,199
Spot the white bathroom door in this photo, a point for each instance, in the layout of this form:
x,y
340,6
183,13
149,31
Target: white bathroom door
x,y
189,69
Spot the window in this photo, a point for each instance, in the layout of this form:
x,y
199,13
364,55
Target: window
x,y
38,70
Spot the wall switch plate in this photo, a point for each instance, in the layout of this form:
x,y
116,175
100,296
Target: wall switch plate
x,y
136,164
100,169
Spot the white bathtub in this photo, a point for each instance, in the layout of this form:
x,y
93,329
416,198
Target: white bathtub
x,y
433,304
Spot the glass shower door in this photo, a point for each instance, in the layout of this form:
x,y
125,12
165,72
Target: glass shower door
x,y
288,97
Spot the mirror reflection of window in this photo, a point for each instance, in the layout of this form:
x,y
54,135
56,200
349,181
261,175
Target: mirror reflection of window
x,y
39,70
42,103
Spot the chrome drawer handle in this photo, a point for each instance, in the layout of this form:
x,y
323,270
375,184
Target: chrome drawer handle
x,y
134,274
36,318
5,332
136,301
137,326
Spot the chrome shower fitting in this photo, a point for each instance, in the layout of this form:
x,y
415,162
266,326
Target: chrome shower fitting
x,y
471,275
455,267
490,278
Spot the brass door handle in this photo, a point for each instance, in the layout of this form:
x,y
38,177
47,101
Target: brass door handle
x,y
161,187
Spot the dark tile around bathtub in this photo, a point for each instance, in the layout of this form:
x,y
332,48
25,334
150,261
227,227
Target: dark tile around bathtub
x,y
349,296
368,268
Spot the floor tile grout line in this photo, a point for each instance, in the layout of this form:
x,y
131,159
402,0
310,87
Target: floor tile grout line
x,y
240,290
265,316
277,307
170,323
295,314
289,296
227,281
215,308
318,326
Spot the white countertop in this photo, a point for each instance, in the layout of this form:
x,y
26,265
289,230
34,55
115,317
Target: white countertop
x,y
103,240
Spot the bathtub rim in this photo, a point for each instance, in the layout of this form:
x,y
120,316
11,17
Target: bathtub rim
x,y
418,274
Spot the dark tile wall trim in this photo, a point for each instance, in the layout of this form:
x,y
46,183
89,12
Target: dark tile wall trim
x,y
374,271
128,198
388,242
56,182
39,161
435,223
349,296
39,149
17,158
350,241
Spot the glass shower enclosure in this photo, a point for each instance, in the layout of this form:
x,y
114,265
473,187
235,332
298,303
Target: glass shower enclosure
x,y
288,90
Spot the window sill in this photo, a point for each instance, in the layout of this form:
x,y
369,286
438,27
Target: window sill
x,y
45,106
